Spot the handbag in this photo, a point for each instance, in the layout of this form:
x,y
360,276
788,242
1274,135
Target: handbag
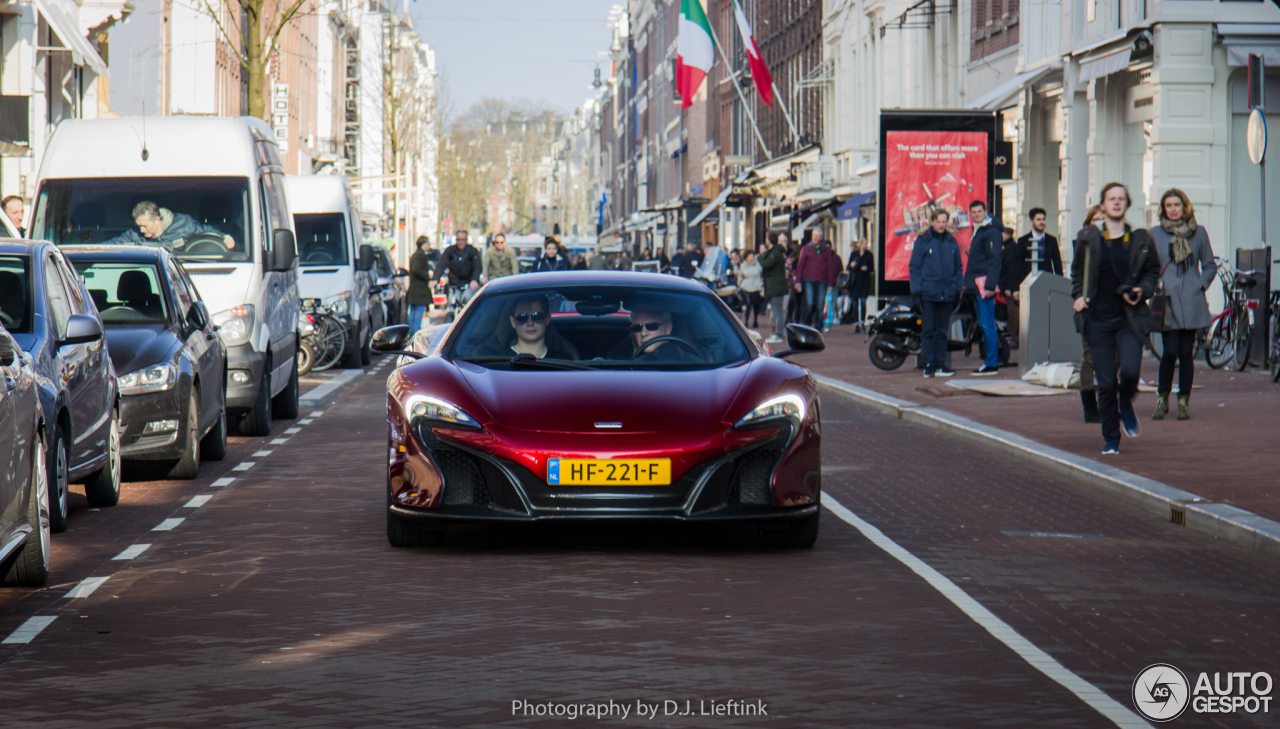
x,y
1158,304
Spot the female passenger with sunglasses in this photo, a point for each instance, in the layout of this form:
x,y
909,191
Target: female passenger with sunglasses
x,y
531,320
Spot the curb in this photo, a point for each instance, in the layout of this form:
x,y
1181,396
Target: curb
x,y
321,394
1223,521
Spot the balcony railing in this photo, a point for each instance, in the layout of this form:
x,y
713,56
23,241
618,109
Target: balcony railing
x,y
816,177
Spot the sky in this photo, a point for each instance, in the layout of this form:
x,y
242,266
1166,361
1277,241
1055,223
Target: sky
x,y
540,50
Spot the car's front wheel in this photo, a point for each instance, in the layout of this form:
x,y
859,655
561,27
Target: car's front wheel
x,y
59,459
402,532
188,466
103,487
798,534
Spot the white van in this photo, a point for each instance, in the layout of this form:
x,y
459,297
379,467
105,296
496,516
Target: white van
x,y
335,267
212,191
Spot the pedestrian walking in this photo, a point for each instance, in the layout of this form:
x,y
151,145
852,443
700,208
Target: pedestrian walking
x,y
773,271
817,269
1088,383
420,280
982,280
1111,283
937,278
750,284
551,260
499,260
1017,265
1188,269
580,262
795,291
862,269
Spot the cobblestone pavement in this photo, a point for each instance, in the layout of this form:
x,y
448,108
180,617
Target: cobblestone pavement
x,y
278,603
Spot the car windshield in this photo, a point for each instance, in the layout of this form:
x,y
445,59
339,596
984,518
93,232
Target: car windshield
x,y
381,263
599,326
322,239
15,294
125,293
194,217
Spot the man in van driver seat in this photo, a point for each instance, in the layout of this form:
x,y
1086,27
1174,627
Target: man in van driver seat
x,y
163,226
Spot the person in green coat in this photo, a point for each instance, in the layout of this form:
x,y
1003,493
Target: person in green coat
x,y
420,280
772,259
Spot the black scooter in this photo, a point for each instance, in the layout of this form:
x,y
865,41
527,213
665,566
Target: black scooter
x,y
895,333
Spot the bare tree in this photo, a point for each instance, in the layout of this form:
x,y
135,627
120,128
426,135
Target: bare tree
x,y
253,35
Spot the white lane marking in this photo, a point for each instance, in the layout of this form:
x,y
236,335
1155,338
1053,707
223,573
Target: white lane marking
x,y
197,501
168,524
1041,661
223,482
30,629
279,441
262,454
317,413
293,431
306,421
132,551
243,466
87,586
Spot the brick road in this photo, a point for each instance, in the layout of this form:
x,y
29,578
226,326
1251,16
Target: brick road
x,y
279,603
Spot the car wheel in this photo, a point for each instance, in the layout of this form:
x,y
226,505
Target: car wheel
x,y
403,532
30,566
798,534
366,354
257,422
214,445
306,356
58,479
188,466
286,403
103,487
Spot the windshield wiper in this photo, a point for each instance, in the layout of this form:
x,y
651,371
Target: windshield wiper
x,y
526,359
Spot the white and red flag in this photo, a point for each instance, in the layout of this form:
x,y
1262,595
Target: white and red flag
x,y
695,52
759,71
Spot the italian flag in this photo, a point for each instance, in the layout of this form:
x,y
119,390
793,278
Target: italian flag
x,y
695,52
759,71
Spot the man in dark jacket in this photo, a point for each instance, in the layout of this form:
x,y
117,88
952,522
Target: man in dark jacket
x,y
937,277
460,265
817,268
686,264
419,296
550,260
982,280
1113,273
773,272
1018,265
157,225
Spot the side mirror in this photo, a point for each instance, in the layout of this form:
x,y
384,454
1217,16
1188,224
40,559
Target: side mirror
x,y
376,289
365,261
81,328
198,316
284,250
802,338
401,273
391,340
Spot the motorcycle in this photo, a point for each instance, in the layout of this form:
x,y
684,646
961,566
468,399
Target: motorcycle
x,y
894,335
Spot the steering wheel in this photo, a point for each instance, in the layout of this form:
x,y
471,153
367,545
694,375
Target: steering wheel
x,y
697,351
319,256
8,320
203,244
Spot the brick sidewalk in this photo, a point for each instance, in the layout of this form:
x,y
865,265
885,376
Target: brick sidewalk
x,y
1227,452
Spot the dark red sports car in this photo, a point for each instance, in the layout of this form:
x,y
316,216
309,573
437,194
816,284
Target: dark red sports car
x,y
593,395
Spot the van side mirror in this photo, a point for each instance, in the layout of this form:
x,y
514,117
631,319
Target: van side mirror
x,y
284,250
401,273
81,328
365,262
198,316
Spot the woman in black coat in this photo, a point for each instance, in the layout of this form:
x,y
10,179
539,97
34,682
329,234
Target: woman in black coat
x,y
862,269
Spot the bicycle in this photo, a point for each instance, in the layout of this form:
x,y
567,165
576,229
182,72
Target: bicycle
x,y
1231,331
329,337
1274,356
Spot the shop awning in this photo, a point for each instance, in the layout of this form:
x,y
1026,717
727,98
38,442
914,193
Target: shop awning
x,y
798,233
853,206
62,15
1106,64
1243,39
999,97
712,207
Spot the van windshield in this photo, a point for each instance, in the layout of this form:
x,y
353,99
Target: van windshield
x,y
322,239
195,218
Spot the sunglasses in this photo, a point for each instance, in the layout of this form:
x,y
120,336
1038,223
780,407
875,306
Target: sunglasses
x,y
652,326
537,316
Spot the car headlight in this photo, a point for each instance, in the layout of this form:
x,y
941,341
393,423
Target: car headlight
x,y
338,305
421,407
148,379
784,407
235,325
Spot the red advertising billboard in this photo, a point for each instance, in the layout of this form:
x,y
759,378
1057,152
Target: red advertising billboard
x,y
929,161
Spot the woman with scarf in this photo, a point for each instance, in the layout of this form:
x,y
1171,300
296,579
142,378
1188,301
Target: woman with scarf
x,y
1186,258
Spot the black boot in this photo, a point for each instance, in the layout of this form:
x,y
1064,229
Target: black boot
x,y
1089,400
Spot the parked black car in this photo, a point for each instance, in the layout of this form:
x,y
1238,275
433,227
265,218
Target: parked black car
x,y
24,475
171,364
391,286
49,312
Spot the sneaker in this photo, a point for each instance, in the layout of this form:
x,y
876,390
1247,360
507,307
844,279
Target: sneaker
x,y
944,372
774,340
1112,448
986,371
928,372
1129,422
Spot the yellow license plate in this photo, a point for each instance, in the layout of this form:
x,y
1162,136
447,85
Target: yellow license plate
x,y
614,472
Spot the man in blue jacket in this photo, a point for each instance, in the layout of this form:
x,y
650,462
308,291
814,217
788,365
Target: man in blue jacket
x,y
982,280
936,277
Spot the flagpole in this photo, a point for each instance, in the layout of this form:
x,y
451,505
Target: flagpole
x,y
795,137
745,106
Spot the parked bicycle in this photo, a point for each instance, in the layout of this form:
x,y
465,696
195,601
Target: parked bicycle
x,y
1231,332
328,338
